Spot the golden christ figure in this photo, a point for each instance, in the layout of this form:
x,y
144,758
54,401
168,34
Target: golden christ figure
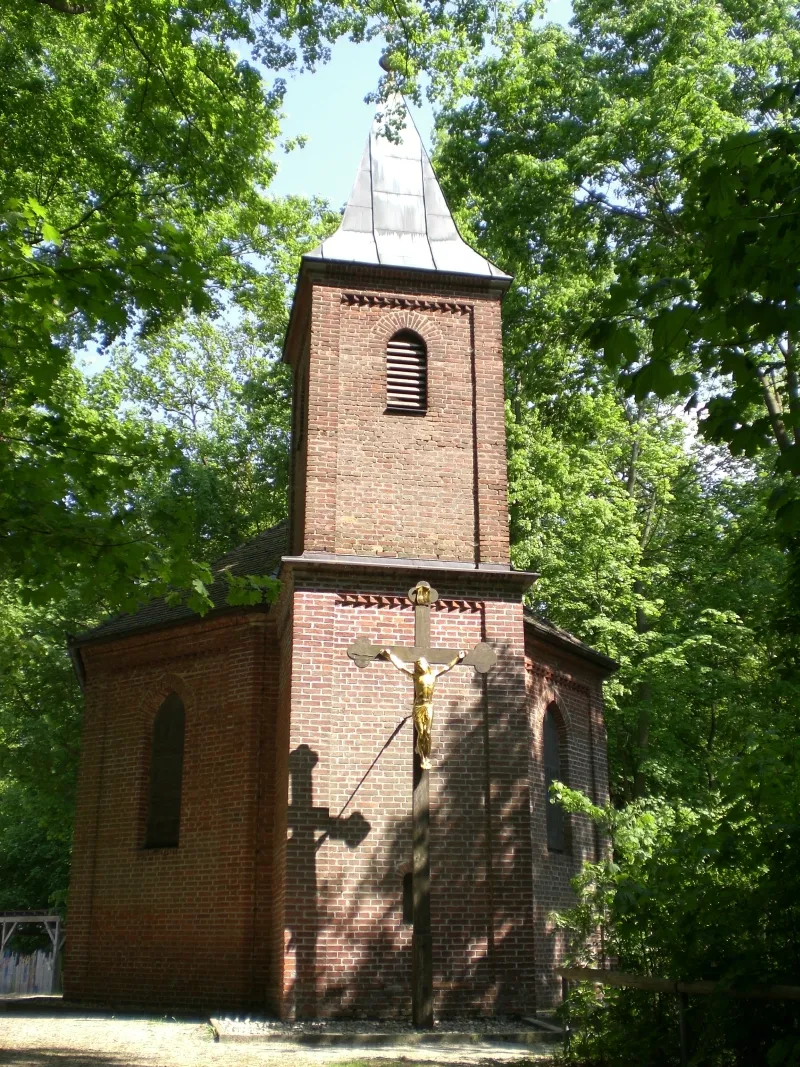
x,y
424,676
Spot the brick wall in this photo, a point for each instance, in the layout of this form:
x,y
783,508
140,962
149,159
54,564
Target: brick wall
x,y
375,482
349,836
285,893
569,685
185,927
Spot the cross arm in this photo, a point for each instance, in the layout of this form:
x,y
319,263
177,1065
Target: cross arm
x,y
362,652
401,664
482,657
459,657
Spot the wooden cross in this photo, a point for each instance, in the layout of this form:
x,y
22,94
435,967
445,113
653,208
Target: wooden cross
x,y
482,658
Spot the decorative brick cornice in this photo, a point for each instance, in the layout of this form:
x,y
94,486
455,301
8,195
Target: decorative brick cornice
x,y
447,604
372,600
556,678
406,303
402,603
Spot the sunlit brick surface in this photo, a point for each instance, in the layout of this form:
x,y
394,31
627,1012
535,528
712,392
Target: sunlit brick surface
x,y
381,484
284,894
351,757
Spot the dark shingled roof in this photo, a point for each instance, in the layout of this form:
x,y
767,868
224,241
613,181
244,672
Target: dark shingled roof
x,y
548,631
262,555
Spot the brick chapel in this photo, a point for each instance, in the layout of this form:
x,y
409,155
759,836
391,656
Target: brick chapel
x,y
243,836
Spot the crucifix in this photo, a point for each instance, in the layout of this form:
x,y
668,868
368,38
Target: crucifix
x,y
418,661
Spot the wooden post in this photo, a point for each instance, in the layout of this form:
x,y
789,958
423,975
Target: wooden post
x,y
422,942
55,985
565,1003
482,658
683,1007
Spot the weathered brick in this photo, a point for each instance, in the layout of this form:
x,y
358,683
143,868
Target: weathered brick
x,y
285,892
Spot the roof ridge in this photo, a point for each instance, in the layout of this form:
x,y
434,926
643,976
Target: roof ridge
x,y
264,555
251,541
557,633
397,215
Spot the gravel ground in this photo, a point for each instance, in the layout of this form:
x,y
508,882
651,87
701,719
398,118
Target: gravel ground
x,y
496,1025
43,1040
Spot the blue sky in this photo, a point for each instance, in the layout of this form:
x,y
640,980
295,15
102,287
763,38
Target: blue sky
x,y
328,106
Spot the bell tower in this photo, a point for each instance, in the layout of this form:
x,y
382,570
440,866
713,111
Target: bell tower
x,y
395,344
399,483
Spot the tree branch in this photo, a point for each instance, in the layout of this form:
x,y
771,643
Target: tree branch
x,y
773,405
64,7
599,200
54,447
97,208
167,83
793,385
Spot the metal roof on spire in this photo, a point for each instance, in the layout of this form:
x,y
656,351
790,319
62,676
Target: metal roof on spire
x,y
397,215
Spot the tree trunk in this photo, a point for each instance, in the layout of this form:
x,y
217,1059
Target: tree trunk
x,y
645,707
642,626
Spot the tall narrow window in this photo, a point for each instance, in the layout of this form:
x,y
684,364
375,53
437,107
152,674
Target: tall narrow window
x,y
300,411
406,374
408,898
166,775
553,771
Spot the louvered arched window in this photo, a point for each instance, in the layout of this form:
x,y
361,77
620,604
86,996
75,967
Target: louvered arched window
x,y
554,771
406,374
166,775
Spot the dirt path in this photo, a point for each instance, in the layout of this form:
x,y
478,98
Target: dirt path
x,y
41,1040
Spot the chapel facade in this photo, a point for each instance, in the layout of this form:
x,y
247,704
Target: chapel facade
x,y
243,836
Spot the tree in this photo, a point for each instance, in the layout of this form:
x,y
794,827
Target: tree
x,y
723,331
704,889
224,396
640,174
40,718
137,156
579,158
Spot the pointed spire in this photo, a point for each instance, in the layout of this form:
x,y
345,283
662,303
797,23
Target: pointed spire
x,y
397,215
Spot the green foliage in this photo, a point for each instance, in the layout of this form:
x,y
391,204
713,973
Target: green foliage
x,y
223,396
656,552
40,714
616,171
637,174
697,891
219,397
138,143
137,156
724,332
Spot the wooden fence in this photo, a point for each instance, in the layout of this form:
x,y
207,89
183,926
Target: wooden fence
x,y
26,974
682,990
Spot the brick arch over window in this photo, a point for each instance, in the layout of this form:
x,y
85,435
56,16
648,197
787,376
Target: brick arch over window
x,y
556,768
162,828
406,373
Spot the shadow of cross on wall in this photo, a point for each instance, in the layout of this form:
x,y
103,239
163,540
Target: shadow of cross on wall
x,y
305,823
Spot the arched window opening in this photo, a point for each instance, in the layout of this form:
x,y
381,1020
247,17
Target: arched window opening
x,y
553,771
166,775
406,374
